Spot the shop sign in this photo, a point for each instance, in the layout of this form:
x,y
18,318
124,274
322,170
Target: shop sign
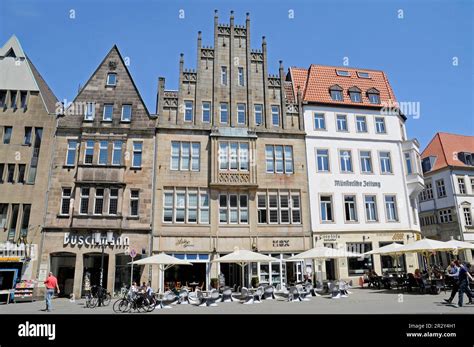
x,y
397,237
356,183
10,259
330,237
184,243
89,240
281,243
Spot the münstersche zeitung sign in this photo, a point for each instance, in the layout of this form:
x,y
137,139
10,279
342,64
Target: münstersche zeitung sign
x,y
90,241
356,183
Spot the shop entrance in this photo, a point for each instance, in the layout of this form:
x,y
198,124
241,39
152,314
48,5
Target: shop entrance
x,y
63,268
91,272
123,270
233,274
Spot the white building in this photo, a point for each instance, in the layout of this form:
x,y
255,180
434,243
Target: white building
x,y
447,201
364,175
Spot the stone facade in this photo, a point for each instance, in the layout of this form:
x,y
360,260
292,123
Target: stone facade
x,y
229,99
27,123
101,179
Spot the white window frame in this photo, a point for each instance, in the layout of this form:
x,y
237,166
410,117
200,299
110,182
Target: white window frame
x,y
224,107
345,159
363,162
342,117
122,117
224,78
380,129
388,210
367,205
362,120
113,198
318,119
134,199
241,76
108,79
383,161
99,197
117,150
111,115
440,188
353,205
188,111
258,112
89,146
322,156
63,198
241,110
84,197
73,150
462,186
206,107
137,150
89,112
103,149
326,203
275,115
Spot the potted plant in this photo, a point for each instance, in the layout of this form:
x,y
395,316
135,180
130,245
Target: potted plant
x,y
214,283
254,282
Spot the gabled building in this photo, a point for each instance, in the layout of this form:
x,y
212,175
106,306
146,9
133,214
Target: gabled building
x,y
27,122
231,164
447,202
100,199
364,174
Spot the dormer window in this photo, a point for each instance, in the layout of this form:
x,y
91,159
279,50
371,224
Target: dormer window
x,y
344,73
336,93
427,163
363,74
355,95
374,96
111,79
467,158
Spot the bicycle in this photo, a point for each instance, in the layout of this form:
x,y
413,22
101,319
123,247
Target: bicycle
x,y
98,296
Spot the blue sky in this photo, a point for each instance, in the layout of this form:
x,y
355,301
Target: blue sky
x,y
416,52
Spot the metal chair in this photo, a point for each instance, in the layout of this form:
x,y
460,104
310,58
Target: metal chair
x,y
334,290
245,297
183,297
196,297
294,294
268,293
303,293
257,296
212,298
227,294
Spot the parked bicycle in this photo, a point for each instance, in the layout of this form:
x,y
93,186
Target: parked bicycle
x,y
135,301
98,296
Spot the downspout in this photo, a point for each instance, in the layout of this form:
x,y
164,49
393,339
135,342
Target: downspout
x,y
155,144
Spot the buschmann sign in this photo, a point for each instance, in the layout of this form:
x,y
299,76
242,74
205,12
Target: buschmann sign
x,y
89,240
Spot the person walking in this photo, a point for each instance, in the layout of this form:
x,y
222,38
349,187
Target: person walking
x,y
453,272
464,277
51,284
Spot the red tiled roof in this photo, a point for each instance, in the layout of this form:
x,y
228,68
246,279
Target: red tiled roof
x,y
445,147
316,81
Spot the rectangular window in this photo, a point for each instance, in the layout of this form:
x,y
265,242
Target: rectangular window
x,y
113,201
204,208
319,121
355,96
363,74
258,113
241,117
322,158
345,157
168,207
408,163
472,185
233,156
99,201
361,124
284,208
71,152
27,138
440,188
223,155
195,156
467,216
126,113
103,152
341,122
13,95
343,73
359,266
224,75
188,111
273,208
192,207
137,154
84,207
380,125
7,135
233,209
65,201
371,208
11,173
224,113
13,222
21,173
117,153
111,79
108,112
275,115
391,208
3,98
2,171
89,152
89,112
180,208
374,98
326,208
445,216
243,156
366,161
350,208
262,208
336,95
243,209
175,155
385,162
241,77
279,159
295,209
3,215
23,99
206,112
462,185
223,209
134,202
429,191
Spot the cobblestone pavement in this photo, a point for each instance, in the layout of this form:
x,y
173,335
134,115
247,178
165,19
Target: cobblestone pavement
x,y
361,301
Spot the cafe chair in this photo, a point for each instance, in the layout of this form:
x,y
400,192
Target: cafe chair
x,y
281,292
268,293
303,293
196,298
168,299
183,296
212,298
294,294
257,296
245,297
227,294
334,290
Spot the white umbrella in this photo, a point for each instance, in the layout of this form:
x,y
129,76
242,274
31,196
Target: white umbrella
x,y
322,253
242,257
460,245
164,262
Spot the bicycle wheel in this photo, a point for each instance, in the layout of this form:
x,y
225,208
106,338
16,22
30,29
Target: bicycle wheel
x,y
93,302
120,305
106,300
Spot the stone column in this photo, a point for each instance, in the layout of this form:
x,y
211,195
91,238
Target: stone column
x,y
78,275
111,273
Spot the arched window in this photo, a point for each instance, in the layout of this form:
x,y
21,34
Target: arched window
x,y
336,92
374,96
355,95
